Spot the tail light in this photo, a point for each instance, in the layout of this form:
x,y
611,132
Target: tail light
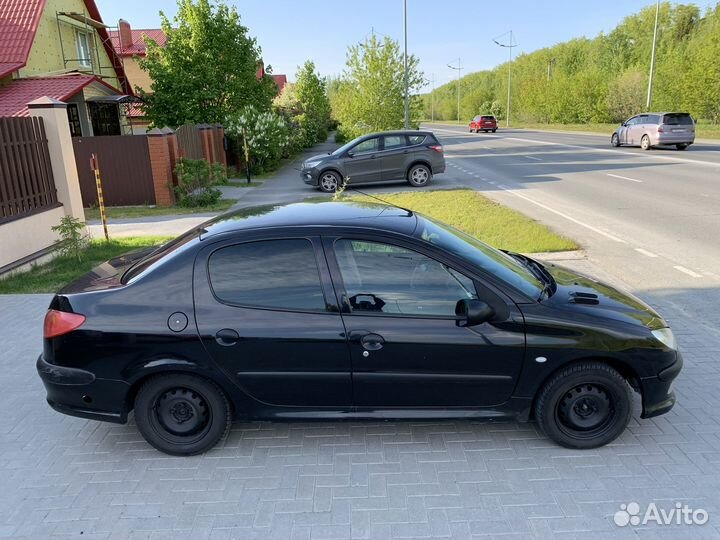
x,y
660,129
58,323
437,147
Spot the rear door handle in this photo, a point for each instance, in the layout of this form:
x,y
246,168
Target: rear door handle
x,y
372,342
227,337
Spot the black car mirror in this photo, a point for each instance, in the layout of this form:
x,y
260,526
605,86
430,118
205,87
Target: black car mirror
x,y
350,153
471,312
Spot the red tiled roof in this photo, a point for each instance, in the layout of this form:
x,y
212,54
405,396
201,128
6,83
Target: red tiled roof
x,y
281,81
18,24
15,96
138,44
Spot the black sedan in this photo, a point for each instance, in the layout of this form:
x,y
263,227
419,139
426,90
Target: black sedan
x,y
347,311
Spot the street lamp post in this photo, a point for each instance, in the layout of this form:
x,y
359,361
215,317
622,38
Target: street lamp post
x,y
509,46
407,98
652,57
459,69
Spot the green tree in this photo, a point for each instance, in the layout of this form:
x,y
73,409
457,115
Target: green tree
x,y
371,92
207,68
313,105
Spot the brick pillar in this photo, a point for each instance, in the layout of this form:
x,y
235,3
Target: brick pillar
x,y
162,170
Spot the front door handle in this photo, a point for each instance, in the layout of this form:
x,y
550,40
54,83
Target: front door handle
x,y
227,337
372,342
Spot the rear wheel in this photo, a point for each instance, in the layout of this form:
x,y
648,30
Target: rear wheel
x,y
329,182
645,142
181,414
419,175
494,130
585,405
615,140
681,146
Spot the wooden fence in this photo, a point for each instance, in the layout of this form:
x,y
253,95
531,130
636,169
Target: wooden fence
x,y
189,141
26,178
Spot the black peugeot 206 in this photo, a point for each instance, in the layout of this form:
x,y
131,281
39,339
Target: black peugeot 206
x,y
349,311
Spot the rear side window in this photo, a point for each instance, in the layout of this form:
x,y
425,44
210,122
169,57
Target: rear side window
x,y
653,119
678,119
281,274
394,141
416,139
476,118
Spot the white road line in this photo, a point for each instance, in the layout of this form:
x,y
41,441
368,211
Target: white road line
x,y
625,178
533,157
687,271
645,252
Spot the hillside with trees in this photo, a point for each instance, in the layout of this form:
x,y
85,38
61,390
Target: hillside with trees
x,y
602,79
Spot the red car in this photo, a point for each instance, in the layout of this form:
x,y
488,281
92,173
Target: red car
x,y
483,122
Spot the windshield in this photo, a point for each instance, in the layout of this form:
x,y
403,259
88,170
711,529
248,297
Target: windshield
x,y
345,147
492,261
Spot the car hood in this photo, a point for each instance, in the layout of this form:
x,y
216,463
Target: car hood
x,y
318,157
584,294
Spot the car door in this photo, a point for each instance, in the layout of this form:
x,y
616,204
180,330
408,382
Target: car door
x,y
624,131
363,163
394,157
266,313
407,350
637,130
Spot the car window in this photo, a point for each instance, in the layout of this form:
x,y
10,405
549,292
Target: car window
x,y
642,119
394,141
678,119
416,139
383,278
632,121
488,118
367,146
271,274
476,118
653,119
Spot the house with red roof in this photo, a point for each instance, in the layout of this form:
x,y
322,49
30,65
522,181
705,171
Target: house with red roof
x,y
62,49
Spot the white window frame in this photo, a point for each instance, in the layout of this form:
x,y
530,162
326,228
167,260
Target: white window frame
x,y
84,56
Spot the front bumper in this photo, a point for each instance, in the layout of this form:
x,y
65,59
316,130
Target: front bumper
x,y
77,392
657,395
309,176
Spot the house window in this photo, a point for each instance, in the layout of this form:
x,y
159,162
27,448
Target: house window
x,y
74,120
105,118
83,48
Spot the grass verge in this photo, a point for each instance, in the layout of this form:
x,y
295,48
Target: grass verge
x,y
482,218
51,276
120,212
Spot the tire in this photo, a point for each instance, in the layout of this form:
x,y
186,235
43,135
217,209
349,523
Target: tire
x,y
494,130
181,414
615,140
682,146
329,181
471,130
419,175
645,142
585,405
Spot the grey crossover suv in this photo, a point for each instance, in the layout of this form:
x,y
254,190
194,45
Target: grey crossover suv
x,y
653,129
413,156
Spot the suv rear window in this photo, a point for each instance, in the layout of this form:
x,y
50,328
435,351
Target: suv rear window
x,y
678,119
488,118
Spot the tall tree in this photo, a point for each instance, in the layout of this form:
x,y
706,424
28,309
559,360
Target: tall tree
x,y
370,95
313,104
207,68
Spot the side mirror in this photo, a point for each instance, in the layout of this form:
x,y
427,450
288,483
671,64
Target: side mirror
x,y
350,153
471,312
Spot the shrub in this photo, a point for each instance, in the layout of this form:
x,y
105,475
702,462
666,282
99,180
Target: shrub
x,y
267,134
196,182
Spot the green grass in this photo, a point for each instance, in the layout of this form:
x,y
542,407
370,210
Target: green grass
x,y
49,277
120,212
482,218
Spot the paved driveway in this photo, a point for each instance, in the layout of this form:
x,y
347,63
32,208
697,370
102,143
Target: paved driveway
x,y
64,477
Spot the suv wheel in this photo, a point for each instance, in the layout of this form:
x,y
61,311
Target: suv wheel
x,y
585,405
645,142
681,146
329,182
182,414
419,175
615,140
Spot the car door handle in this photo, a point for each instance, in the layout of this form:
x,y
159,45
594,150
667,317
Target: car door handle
x,y
372,157
372,342
227,337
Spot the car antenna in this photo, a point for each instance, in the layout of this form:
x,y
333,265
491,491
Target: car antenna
x,y
379,199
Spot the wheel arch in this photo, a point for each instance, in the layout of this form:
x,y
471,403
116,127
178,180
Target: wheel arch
x,y
418,161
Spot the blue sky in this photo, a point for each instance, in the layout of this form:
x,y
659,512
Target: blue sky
x,y
439,31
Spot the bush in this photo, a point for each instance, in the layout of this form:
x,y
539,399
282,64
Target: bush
x,y
196,182
73,237
267,135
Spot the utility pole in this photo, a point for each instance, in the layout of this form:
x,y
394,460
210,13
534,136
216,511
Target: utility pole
x,y
652,57
432,100
459,69
509,46
407,98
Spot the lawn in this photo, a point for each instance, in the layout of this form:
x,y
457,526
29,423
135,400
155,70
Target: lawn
x,y
50,277
478,216
120,212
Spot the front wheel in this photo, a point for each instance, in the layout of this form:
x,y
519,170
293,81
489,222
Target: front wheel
x,y
615,140
585,405
419,175
681,146
329,182
645,142
181,414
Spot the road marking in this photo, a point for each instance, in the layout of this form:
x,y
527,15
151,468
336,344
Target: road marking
x,y
687,271
624,178
645,252
533,157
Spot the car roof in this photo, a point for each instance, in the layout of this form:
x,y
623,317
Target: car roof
x,y
399,132
320,214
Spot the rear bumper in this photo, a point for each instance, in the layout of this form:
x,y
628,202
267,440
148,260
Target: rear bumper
x,y
77,392
657,395
675,138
